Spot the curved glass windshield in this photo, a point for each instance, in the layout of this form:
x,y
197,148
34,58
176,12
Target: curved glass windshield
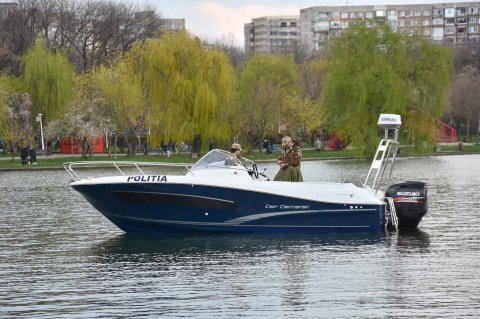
x,y
217,158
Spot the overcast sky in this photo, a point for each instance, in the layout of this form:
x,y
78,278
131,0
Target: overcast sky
x,y
211,20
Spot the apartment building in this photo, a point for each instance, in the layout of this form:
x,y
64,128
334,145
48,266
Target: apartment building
x,y
454,23
277,34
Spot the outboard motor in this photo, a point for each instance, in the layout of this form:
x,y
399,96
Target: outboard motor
x,y
411,202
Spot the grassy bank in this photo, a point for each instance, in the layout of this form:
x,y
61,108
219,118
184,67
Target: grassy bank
x,y
55,161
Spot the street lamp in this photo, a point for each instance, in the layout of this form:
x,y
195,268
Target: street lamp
x,y
39,119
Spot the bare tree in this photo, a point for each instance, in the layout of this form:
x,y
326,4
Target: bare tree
x,y
464,107
235,53
92,32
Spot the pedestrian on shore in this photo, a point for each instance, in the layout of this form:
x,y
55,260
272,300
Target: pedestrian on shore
x,y
318,144
49,147
289,162
24,155
33,156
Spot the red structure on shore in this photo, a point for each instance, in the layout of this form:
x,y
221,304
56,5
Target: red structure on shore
x,y
71,145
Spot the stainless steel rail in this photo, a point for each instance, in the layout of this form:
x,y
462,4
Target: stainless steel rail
x,y
71,167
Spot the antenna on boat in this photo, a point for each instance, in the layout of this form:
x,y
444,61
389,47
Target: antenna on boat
x,y
385,154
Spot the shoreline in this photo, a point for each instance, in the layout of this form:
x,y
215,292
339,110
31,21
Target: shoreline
x,y
160,159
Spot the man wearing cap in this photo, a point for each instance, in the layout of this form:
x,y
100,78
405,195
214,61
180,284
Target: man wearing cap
x,y
289,162
234,158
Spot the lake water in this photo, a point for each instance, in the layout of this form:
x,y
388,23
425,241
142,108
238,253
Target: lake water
x,y
60,258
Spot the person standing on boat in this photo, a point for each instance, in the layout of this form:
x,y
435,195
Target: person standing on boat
x,y
234,158
289,162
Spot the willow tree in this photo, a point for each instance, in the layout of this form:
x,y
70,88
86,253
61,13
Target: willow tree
x,y
188,88
117,92
375,70
264,85
48,77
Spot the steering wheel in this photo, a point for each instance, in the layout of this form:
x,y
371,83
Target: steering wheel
x,y
255,170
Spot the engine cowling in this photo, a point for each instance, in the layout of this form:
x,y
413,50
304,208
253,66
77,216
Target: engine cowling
x,y
411,202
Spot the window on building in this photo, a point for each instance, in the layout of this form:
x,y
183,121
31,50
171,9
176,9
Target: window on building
x,y
335,24
417,13
438,21
344,24
336,14
449,21
461,20
360,15
449,13
426,13
273,32
293,24
473,29
392,23
474,39
473,10
379,13
437,12
401,13
369,15
449,30
401,23
392,13
344,15
473,20
283,25
461,11
426,23
427,32
353,15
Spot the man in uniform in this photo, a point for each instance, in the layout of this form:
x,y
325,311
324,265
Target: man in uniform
x,y
234,158
289,162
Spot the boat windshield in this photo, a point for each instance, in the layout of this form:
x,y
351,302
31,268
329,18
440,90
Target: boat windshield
x,y
217,158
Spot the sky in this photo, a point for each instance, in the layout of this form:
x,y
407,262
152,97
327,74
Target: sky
x,y
216,19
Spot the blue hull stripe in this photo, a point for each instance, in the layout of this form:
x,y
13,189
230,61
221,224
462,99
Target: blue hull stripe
x,y
176,222
244,219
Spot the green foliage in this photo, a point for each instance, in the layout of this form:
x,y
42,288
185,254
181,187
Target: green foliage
x,y
374,71
15,109
117,92
48,77
188,88
264,86
301,113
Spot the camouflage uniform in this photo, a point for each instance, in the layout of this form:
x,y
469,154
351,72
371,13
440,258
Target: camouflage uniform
x,y
291,171
232,160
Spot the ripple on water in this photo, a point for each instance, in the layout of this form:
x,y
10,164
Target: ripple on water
x,y
60,258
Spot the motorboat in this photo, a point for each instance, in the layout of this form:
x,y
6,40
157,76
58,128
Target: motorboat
x,y
212,196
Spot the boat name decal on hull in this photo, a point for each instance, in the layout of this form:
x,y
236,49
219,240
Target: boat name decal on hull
x,y
287,206
147,178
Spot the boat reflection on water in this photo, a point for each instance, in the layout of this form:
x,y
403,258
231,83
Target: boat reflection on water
x,y
142,247
409,240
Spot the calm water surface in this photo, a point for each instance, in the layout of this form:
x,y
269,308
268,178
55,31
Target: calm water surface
x,y
60,258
